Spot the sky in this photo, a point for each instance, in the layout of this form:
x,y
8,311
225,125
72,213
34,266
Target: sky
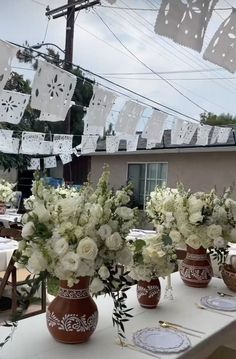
x,y
98,50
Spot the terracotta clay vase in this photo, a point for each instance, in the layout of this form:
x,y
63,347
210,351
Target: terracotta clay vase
x,y
229,274
149,293
72,316
2,208
196,270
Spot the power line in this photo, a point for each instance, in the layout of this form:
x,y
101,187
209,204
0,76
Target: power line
x,y
171,79
152,9
160,72
149,68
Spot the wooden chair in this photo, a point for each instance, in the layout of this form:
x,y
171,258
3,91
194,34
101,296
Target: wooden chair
x,y
14,277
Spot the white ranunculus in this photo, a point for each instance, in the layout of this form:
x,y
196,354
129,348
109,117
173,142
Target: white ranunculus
x,y
69,262
105,231
114,242
194,241
124,256
125,212
87,248
28,230
195,205
214,231
104,272
67,207
96,285
37,263
196,218
219,242
60,246
175,236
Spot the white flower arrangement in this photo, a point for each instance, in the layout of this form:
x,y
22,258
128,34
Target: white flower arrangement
x,y
152,258
196,219
6,191
68,234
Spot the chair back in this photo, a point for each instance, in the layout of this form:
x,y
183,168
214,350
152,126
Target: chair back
x,y
12,233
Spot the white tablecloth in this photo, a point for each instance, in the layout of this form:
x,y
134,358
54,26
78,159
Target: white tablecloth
x,y
6,250
8,218
32,340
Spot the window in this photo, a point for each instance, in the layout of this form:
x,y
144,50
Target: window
x,y
145,177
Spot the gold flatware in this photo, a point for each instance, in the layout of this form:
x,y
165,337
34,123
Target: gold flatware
x,y
125,344
166,325
212,310
222,294
181,326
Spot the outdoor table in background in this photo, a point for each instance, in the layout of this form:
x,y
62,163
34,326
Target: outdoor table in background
x,y
7,247
10,218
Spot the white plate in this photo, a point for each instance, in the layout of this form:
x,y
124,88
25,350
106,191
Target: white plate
x,y
159,340
219,303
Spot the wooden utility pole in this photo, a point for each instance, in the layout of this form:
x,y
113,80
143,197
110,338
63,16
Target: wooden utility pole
x,y
69,10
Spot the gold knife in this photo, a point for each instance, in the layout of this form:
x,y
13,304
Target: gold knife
x,y
181,326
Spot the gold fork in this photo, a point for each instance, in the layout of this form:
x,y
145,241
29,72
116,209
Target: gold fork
x,y
181,326
212,310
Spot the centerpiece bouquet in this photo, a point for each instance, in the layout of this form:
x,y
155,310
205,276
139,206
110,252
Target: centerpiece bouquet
x,y
73,235
153,257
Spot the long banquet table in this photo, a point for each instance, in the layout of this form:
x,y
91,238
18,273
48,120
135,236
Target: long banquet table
x,y
31,340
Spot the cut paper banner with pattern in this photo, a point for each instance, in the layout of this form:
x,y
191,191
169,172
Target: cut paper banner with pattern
x,y
52,90
89,144
5,139
46,148
12,106
128,118
150,144
34,164
178,131
154,127
13,146
132,143
185,21
202,135
189,131
50,162
112,144
7,51
44,116
220,134
222,47
99,108
62,143
31,142
75,151
65,158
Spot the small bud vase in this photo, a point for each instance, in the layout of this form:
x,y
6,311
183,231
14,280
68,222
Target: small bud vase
x,y
72,316
196,270
149,293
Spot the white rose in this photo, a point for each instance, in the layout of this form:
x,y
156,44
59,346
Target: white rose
x,y
219,242
67,207
195,205
96,285
104,272
195,218
87,248
60,246
214,231
185,230
37,263
124,212
105,231
114,242
124,256
28,230
193,241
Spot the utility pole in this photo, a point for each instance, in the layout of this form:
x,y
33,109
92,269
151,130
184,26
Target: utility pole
x,y
69,11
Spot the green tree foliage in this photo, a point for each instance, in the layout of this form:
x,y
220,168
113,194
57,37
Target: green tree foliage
x,y
217,120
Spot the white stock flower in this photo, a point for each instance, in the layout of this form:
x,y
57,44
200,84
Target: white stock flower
x,y
219,242
114,242
124,212
195,218
28,230
104,272
60,246
41,212
96,285
195,205
214,231
105,231
87,248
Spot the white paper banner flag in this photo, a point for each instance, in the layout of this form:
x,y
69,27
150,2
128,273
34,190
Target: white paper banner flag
x,y
220,134
7,51
154,127
52,89
99,108
46,148
132,143
62,143
31,142
185,21
34,164
112,144
5,139
13,146
222,48
178,131
93,130
75,152
65,158
89,144
50,162
111,1
12,106
150,144
128,118
44,116
202,135
189,131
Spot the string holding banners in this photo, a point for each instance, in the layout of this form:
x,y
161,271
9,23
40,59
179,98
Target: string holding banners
x,y
8,52
62,143
12,106
222,47
34,164
52,90
31,142
185,22
128,118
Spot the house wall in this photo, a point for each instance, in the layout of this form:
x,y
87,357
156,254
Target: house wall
x,y
198,171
